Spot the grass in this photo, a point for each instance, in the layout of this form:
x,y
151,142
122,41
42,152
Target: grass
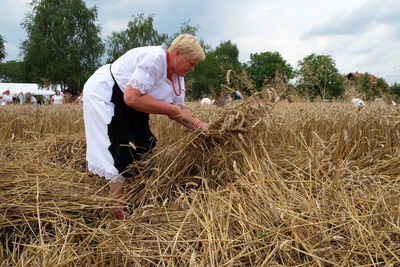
x,y
295,184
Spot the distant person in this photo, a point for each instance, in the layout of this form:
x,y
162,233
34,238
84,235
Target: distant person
x,y
206,101
21,97
57,99
221,99
66,90
390,102
79,99
7,98
33,100
288,100
30,99
357,102
239,94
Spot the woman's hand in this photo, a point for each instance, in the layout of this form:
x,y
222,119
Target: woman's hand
x,y
187,119
203,126
148,104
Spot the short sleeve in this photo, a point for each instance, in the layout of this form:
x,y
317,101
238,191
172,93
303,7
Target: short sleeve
x,y
147,73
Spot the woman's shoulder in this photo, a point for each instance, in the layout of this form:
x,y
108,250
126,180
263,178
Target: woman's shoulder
x,y
150,54
148,61
148,50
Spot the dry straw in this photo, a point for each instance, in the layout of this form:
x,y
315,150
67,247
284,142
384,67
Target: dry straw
x,y
300,184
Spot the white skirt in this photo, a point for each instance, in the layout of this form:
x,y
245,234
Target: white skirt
x,y
97,115
110,123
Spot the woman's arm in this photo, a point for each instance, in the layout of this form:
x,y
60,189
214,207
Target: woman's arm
x,y
148,104
193,122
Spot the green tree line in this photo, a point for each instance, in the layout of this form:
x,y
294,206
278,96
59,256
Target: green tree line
x,y
63,46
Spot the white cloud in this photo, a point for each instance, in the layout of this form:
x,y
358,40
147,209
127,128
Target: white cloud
x,y
364,39
12,51
114,25
360,35
358,20
11,18
15,8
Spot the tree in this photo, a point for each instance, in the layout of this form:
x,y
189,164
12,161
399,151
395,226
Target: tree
x,y
382,87
3,53
372,88
231,71
264,66
228,54
140,32
395,91
185,27
63,44
211,73
366,87
318,76
12,72
205,79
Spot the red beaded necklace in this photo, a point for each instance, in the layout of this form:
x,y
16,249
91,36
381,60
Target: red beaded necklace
x,y
171,77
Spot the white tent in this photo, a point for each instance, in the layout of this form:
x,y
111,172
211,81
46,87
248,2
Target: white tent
x,y
32,88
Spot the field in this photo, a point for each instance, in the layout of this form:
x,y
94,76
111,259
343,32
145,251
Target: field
x,y
294,184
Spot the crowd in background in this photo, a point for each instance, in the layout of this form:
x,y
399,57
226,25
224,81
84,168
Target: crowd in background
x,y
58,98
223,99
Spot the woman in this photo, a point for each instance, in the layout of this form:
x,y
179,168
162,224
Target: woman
x,y
118,98
30,99
79,99
7,98
357,102
57,99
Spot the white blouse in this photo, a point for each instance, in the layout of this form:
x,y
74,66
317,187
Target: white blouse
x,y
144,68
57,99
358,102
33,100
7,98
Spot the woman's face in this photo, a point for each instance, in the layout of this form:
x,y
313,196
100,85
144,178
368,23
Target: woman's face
x,y
57,92
182,64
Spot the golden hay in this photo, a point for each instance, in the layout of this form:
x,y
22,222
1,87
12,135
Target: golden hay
x,y
283,184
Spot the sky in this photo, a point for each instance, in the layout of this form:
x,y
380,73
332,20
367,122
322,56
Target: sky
x,y
360,35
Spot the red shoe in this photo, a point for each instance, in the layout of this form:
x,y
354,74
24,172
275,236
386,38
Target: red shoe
x,y
123,215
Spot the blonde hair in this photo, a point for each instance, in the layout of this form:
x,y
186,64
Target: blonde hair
x,y
189,45
28,97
